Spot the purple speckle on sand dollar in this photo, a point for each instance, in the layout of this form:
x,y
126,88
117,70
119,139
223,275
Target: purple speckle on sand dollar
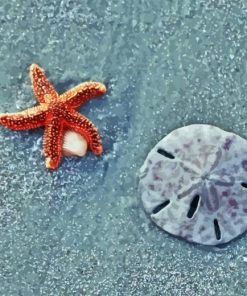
x,y
244,164
193,184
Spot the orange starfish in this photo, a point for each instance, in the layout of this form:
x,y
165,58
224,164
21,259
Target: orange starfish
x,y
57,114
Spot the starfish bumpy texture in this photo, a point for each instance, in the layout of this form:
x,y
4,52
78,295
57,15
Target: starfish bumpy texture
x,y
57,114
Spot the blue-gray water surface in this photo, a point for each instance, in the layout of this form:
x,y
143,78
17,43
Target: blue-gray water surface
x,y
81,230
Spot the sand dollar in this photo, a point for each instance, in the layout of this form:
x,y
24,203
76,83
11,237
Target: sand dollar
x,y
193,184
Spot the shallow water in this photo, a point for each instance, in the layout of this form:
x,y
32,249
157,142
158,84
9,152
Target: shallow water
x,y
81,230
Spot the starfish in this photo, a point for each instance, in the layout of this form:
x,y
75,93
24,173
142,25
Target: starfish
x,y
57,114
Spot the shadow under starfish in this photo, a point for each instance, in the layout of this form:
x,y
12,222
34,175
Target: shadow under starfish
x,y
57,114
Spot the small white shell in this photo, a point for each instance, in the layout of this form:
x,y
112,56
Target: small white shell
x,y
74,144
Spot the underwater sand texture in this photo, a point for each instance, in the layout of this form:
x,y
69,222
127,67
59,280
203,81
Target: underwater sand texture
x,y
82,230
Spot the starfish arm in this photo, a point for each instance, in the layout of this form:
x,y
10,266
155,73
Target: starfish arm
x,y
53,139
28,119
42,88
82,93
86,129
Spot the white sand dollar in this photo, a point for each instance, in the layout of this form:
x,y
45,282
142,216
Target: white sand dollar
x,y
194,184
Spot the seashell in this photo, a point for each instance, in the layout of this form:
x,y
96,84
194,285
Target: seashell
x,y
193,184
74,144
